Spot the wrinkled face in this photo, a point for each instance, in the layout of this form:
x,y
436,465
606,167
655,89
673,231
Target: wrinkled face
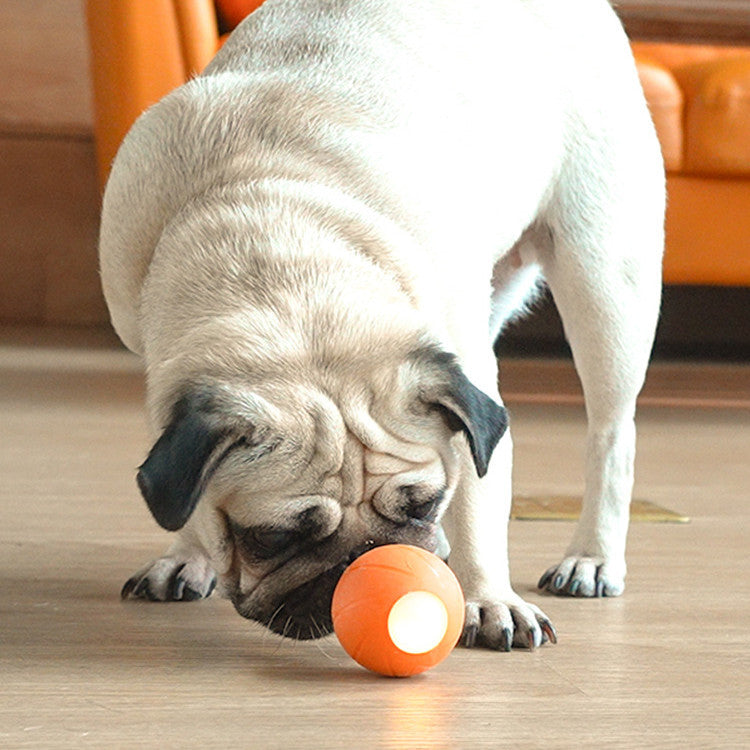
x,y
284,499
334,480
290,550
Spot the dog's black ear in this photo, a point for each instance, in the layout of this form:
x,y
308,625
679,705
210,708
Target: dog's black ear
x,y
182,461
468,409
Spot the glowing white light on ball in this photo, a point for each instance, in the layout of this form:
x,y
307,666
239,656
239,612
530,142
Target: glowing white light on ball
x,y
417,622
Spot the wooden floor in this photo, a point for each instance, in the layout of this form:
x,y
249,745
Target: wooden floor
x,y
667,665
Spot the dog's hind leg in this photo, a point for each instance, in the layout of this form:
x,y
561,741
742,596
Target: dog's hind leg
x,y
605,275
516,279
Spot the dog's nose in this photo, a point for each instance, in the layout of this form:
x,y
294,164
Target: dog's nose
x,y
359,551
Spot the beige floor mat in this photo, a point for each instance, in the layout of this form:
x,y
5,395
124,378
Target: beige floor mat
x,y
567,508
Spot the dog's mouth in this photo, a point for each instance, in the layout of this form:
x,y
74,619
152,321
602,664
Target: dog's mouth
x,y
304,613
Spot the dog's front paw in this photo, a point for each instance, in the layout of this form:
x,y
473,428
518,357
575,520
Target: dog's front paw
x,y
584,576
503,622
172,579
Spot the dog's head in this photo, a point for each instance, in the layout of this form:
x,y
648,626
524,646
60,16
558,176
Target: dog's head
x,y
285,483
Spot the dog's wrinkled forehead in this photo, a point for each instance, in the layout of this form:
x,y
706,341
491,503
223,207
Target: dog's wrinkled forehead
x,y
295,437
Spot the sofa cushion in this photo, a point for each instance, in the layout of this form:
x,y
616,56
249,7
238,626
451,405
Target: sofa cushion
x,y
715,82
666,103
717,122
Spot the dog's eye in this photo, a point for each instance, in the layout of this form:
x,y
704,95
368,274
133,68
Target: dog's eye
x,y
266,543
421,507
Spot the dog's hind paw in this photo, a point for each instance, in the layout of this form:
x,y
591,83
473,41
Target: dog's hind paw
x,y
503,623
584,577
170,579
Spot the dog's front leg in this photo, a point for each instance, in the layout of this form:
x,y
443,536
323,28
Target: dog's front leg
x,y
477,526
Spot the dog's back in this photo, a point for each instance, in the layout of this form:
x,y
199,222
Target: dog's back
x,y
449,118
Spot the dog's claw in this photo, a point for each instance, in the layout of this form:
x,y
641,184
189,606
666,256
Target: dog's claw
x,y
127,589
176,586
190,595
469,638
548,629
171,579
178,591
143,590
506,640
583,577
545,579
504,623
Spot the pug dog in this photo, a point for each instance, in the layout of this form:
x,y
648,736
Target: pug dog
x,y
314,244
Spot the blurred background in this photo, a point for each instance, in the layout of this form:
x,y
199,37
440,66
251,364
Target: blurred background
x,y
69,89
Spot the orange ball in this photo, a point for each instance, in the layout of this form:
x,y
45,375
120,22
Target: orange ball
x,y
398,610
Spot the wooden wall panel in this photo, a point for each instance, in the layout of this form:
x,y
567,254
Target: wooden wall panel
x,y
49,210
49,195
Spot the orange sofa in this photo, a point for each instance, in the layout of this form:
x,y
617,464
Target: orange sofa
x,y
700,102
699,98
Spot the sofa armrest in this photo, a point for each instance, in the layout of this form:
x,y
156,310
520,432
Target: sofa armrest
x,y
139,53
199,32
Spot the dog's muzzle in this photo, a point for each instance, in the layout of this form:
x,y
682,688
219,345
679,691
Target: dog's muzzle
x,y
305,612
